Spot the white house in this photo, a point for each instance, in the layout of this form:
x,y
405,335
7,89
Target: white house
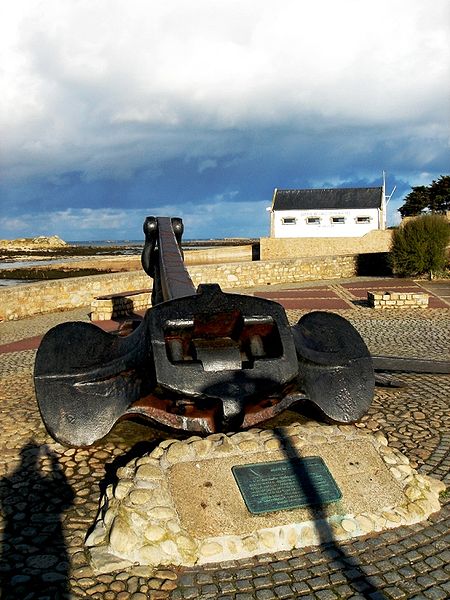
x,y
339,212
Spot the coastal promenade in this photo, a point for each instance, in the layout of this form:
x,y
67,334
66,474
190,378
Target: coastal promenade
x,y
49,494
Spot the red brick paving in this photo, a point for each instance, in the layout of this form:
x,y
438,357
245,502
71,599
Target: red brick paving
x,y
299,293
434,302
359,291
318,298
27,344
314,303
380,283
32,343
362,292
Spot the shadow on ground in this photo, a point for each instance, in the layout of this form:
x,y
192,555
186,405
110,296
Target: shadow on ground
x,y
34,562
348,565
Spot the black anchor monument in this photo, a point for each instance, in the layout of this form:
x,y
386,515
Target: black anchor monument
x,y
203,360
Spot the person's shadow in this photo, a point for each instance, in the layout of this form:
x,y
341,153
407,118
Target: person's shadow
x,y
34,561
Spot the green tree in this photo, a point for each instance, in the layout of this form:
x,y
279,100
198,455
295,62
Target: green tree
x,y
434,198
416,201
420,246
440,194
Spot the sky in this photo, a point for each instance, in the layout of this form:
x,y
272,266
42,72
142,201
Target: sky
x,y
113,110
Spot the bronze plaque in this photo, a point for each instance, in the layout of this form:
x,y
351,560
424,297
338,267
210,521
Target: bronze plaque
x,y
286,484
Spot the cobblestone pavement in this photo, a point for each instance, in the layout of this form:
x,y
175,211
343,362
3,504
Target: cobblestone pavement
x,y
49,494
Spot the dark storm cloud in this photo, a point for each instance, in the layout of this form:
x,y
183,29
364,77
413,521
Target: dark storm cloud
x,y
113,110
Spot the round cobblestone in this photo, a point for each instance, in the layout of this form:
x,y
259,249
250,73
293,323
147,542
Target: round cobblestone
x,y
49,494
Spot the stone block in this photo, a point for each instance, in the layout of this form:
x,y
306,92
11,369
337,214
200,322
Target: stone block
x,y
199,515
399,300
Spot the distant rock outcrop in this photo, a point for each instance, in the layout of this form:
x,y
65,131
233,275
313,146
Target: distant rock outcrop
x,y
41,242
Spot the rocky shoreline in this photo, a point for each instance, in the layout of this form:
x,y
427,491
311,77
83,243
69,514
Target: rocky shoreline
x,y
60,259
11,253
41,242
90,265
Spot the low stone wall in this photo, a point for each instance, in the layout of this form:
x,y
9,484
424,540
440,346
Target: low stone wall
x,y
21,301
279,248
225,254
382,299
250,274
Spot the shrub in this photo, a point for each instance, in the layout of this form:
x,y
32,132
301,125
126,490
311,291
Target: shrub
x,y
420,246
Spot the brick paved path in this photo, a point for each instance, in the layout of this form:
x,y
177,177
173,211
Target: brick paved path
x,y
49,494
347,295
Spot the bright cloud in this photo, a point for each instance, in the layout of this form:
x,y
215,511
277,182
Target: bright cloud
x,y
92,79
116,91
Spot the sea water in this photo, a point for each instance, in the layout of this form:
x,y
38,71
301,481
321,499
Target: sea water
x,y
126,248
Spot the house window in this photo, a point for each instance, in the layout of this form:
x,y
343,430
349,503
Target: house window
x,y
337,220
289,220
313,220
363,219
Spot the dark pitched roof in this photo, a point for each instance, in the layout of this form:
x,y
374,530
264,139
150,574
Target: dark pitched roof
x,y
332,198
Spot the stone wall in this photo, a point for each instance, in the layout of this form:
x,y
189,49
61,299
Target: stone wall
x,y
220,254
250,274
21,301
279,248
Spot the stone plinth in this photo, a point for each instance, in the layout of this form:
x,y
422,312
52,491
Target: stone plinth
x,y
180,505
120,305
380,299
